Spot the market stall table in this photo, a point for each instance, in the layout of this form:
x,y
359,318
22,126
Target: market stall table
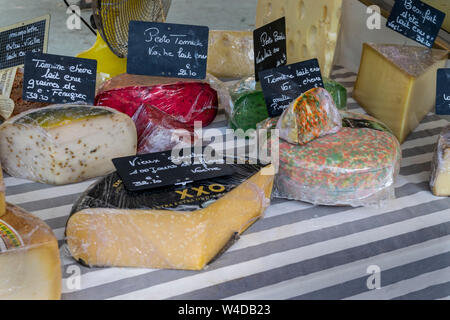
x,y
297,251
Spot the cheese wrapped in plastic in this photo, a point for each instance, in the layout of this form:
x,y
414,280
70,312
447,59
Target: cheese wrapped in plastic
x,y
310,116
440,166
186,100
30,267
182,227
230,54
354,167
2,193
63,144
248,107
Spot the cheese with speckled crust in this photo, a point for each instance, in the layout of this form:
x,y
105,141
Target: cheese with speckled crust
x,y
64,144
30,267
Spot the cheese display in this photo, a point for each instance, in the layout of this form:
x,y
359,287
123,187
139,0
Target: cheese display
x,y
440,168
248,107
30,266
444,6
355,167
182,227
2,193
310,116
187,100
63,144
312,28
397,84
230,54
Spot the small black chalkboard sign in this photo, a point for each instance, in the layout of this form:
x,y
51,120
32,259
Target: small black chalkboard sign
x,y
18,39
59,79
443,92
154,170
269,43
284,84
416,20
167,50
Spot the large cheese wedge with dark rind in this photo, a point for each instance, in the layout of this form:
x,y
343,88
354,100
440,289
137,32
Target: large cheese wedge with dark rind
x,y
172,239
30,266
64,144
2,193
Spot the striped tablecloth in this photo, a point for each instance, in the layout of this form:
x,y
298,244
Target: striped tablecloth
x,y
297,251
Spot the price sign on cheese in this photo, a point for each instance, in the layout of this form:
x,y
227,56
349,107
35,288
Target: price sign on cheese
x,y
160,169
282,85
167,50
269,43
59,79
18,39
443,92
416,20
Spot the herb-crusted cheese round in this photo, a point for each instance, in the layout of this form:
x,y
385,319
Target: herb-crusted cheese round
x,y
63,144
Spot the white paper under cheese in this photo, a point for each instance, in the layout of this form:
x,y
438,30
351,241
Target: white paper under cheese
x,y
67,153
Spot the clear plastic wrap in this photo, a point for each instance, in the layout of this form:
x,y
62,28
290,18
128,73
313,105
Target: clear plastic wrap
x,y
30,267
182,227
310,116
248,107
230,54
353,167
187,100
63,144
440,165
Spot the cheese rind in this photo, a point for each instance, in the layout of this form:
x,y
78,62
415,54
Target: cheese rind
x,y
29,258
230,54
164,238
440,168
312,28
65,144
397,84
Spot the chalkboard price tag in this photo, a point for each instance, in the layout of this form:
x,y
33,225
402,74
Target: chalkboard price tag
x,y
18,39
59,79
416,20
269,43
155,170
443,92
167,50
284,84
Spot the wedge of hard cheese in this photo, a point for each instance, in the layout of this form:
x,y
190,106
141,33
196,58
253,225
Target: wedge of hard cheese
x,y
397,84
440,168
230,54
2,193
65,143
199,222
312,28
29,258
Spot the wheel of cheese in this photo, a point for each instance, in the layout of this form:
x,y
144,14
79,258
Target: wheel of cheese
x,y
64,144
183,227
352,167
30,266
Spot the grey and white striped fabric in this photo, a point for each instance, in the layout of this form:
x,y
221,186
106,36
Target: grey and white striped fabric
x,y
297,251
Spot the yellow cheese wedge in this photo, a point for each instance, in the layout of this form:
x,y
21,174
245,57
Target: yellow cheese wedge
x,y
29,258
230,54
444,6
2,193
167,239
312,28
397,84
440,168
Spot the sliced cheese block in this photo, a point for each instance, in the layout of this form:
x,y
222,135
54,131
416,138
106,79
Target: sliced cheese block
x,y
440,169
29,258
65,143
397,84
444,6
177,238
230,54
312,28
2,193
